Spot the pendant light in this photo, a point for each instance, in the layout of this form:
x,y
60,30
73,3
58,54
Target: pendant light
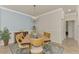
x,y
34,20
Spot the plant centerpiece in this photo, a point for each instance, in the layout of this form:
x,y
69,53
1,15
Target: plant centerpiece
x,y
5,36
33,33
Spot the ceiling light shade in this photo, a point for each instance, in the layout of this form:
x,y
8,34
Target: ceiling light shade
x,y
34,18
69,10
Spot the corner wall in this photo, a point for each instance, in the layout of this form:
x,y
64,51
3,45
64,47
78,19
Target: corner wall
x,y
15,22
53,23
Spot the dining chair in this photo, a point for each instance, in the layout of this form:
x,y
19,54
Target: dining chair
x,y
46,36
22,41
37,44
47,41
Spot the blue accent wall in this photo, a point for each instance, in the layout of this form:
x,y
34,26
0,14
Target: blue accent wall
x,y
15,22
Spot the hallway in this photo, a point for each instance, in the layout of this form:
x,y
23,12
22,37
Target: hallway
x,y
70,46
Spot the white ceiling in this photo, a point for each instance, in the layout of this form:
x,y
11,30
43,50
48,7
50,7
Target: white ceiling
x,y
39,9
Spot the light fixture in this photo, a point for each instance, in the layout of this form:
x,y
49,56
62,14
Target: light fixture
x,y
34,12
69,10
34,9
34,19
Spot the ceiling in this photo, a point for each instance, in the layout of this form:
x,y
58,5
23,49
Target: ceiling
x,y
40,9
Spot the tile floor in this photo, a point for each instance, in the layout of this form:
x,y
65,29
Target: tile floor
x,y
70,47
5,50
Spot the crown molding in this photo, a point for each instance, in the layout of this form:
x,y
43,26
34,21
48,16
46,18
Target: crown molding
x,y
53,11
33,17
7,9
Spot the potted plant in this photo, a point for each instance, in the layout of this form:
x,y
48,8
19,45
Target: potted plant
x,y
5,36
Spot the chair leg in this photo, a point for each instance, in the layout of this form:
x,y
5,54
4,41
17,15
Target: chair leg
x,y
23,50
30,46
18,51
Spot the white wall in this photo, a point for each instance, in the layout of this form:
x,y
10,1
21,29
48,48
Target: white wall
x,y
70,16
77,25
52,23
15,22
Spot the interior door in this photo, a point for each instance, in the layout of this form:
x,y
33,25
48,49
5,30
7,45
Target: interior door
x,y
71,29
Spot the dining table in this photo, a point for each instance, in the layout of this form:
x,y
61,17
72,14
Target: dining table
x,y
35,44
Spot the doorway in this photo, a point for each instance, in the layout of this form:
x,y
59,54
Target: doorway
x,y
70,29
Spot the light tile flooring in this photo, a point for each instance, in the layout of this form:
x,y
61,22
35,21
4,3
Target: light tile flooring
x,y
5,50
70,47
